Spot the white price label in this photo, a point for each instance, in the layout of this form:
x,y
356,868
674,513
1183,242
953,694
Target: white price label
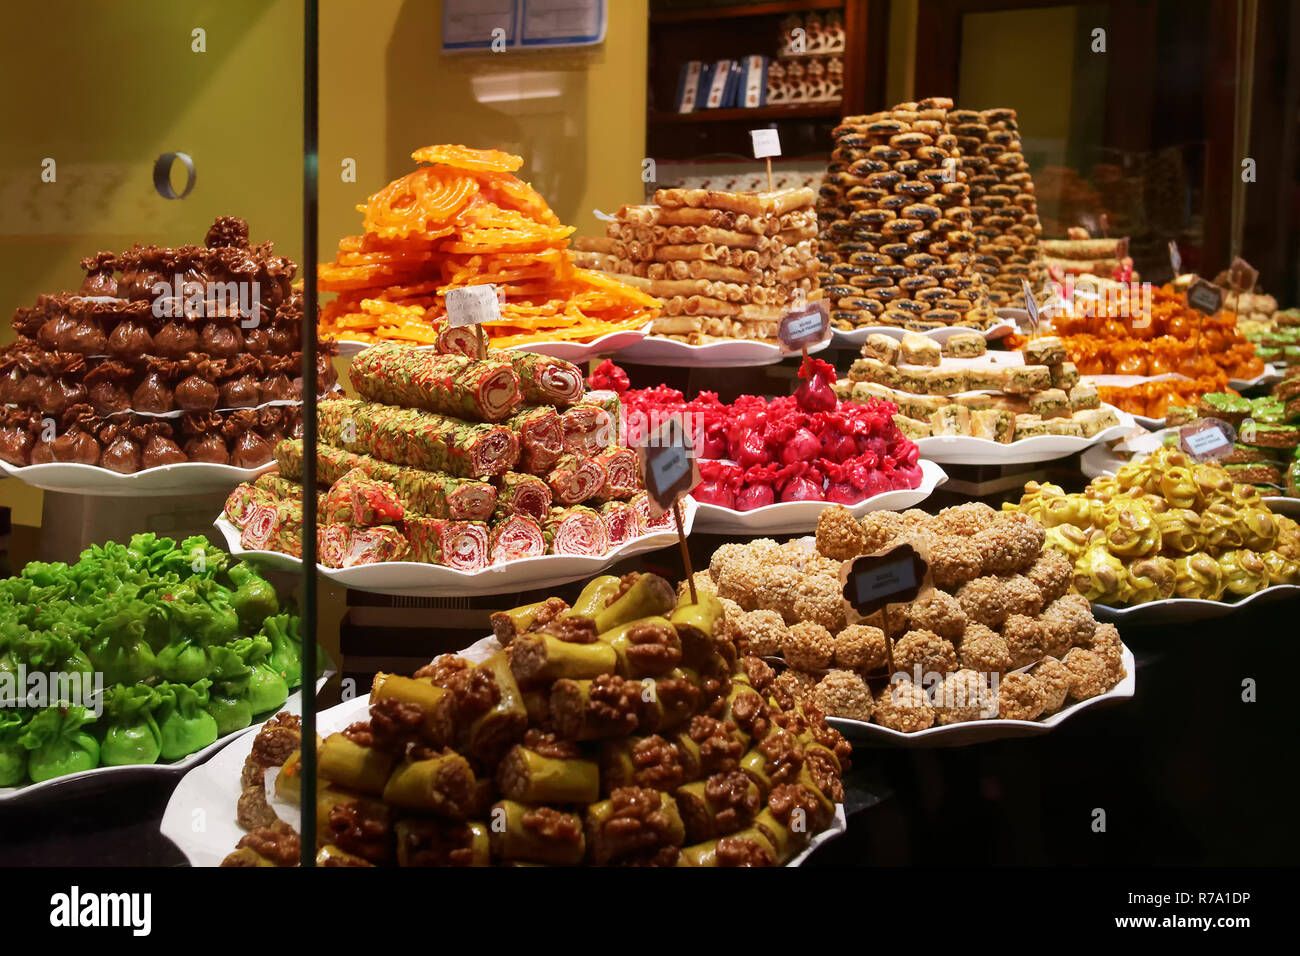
x,y
472,305
802,326
1207,442
767,142
669,467
1030,305
1175,258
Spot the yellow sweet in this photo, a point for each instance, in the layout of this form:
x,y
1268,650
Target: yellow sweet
x,y
1281,569
1212,482
1261,529
1198,576
1073,510
1244,572
1178,486
1155,503
1288,537
1180,531
1067,539
1223,526
1100,577
1032,501
1151,579
1133,532
1246,496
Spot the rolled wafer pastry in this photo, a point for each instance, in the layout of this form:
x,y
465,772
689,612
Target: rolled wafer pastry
x,y
686,216
705,305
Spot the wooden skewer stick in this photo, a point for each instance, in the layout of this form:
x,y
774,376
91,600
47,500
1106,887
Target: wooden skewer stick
x,y
686,554
770,187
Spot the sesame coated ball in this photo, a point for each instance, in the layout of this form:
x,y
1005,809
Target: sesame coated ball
x,y
1052,574
816,564
843,694
937,611
724,555
1054,679
1022,595
738,579
1019,697
879,529
953,561
1070,621
861,647
965,520
791,553
794,684
704,584
839,535
984,650
1024,637
763,548
925,650
808,647
775,589
727,627
897,618
819,599
1011,544
1105,641
915,519
984,601
961,696
762,632
1089,673
902,706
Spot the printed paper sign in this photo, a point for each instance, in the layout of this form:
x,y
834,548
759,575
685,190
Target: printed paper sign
x,y
668,463
1242,275
1206,439
1175,258
1205,297
767,142
804,327
895,576
472,305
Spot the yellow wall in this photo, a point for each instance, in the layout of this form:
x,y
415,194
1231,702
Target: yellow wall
x,y
116,84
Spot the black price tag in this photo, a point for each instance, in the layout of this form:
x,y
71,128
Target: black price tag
x,y
804,327
1242,275
1205,297
896,576
668,463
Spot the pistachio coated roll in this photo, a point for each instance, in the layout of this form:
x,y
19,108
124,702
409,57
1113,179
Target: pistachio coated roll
x,y
443,785
344,762
539,659
520,833
530,777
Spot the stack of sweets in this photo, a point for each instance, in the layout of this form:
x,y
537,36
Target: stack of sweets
x,y
458,462
726,265
897,244
1003,207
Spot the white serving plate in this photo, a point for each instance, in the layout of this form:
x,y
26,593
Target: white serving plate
x,y
981,731
184,478
1284,505
965,450
855,338
1188,610
800,517
569,351
210,793
738,353
101,778
1270,375
413,579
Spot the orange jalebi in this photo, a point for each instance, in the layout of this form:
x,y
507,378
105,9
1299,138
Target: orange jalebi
x,y
467,220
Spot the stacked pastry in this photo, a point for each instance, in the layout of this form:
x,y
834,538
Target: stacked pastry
x,y
1003,207
726,265
895,218
1081,254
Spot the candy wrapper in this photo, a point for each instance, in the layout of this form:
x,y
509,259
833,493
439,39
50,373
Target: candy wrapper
x,y
576,530
524,495
515,536
576,478
477,390
460,545
357,499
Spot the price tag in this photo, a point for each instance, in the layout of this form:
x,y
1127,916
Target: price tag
x,y
1175,259
804,327
1206,439
895,576
472,305
1104,222
1121,248
1242,275
668,463
1030,305
767,142
1205,297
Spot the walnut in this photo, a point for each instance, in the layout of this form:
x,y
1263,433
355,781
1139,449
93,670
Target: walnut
x,y
435,843
660,856
653,648
395,724
360,733
573,630
787,799
475,693
552,824
742,851
275,742
735,793
825,775
658,763
551,609
759,672
624,585
615,702
364,834
637,819
442,669
720,747
750,712
549,745
784,756
279,843
678,695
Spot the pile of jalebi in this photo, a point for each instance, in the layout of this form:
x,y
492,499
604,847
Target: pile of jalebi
x,y
467,220
1120,334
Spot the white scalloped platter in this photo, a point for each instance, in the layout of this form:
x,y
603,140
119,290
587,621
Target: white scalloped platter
x,y
1270,375
569,351
738,353
982,731
211,792
101,778
800,517
413,579
965,450
855,338
1188,610
184,478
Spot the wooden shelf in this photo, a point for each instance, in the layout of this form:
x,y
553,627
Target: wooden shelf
x,y
759,114
767,9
